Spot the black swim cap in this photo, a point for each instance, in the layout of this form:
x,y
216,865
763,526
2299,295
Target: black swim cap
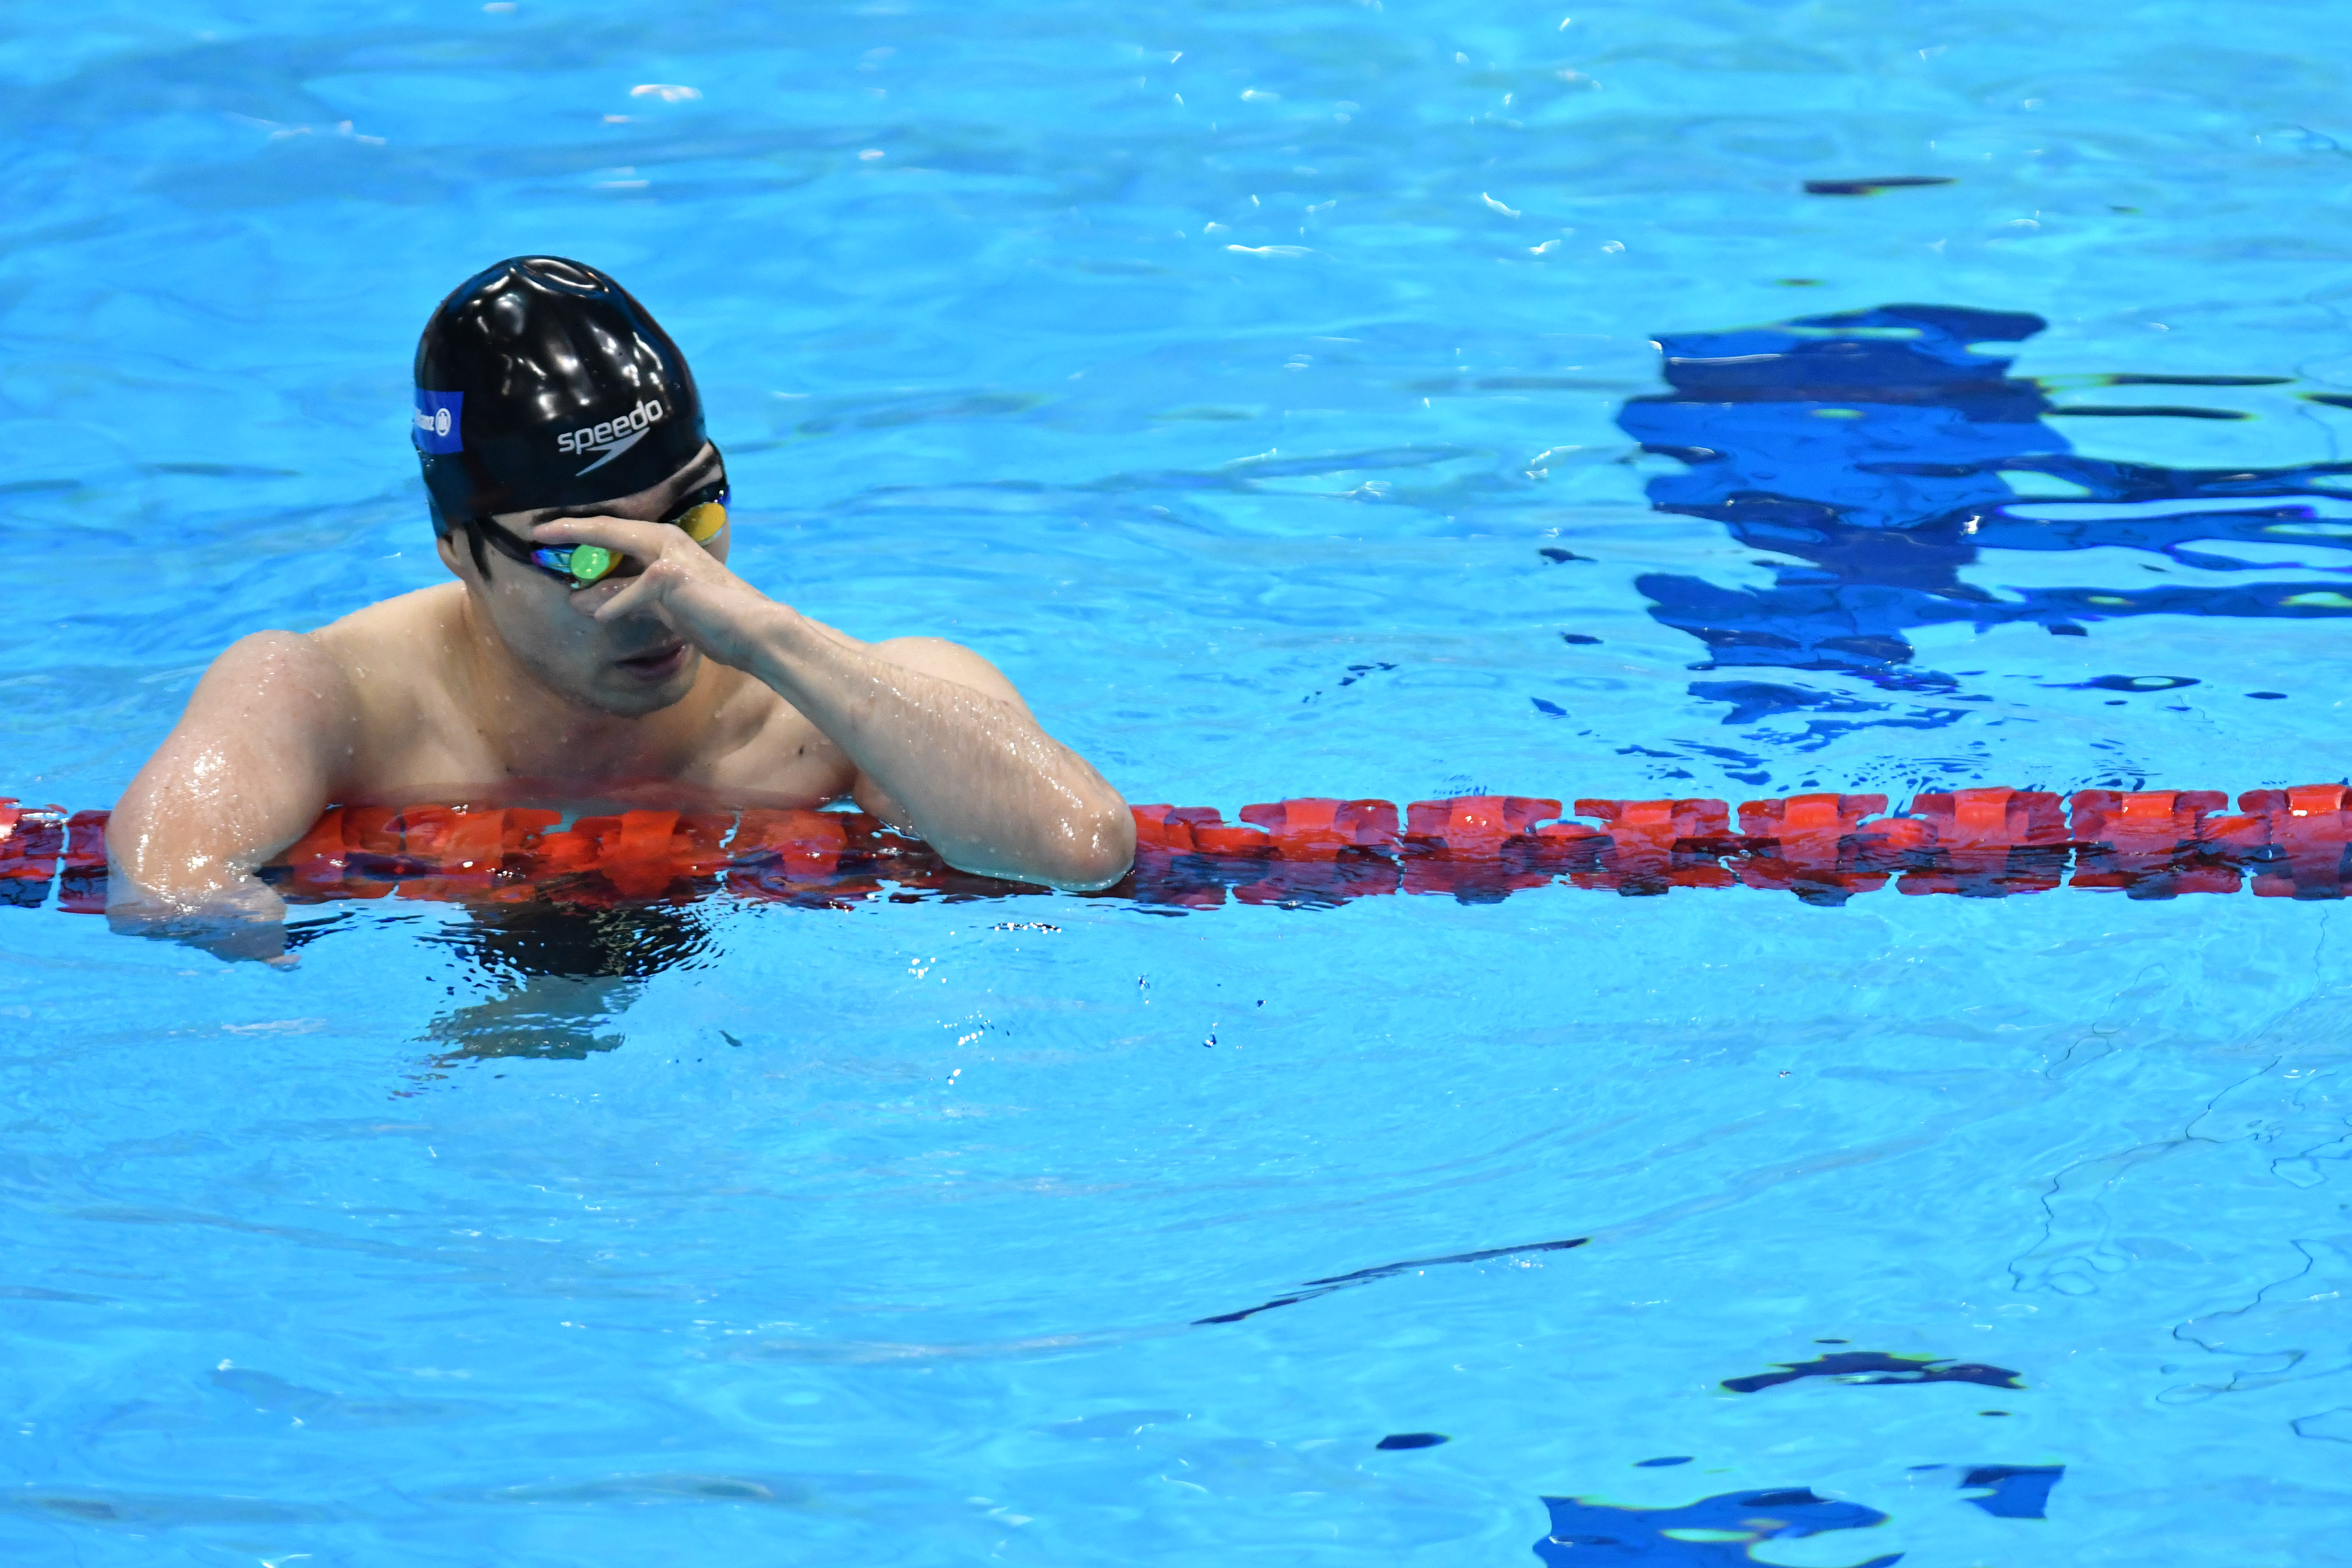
x,y
540,382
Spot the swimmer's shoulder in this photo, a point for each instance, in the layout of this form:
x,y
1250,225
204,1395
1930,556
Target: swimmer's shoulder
x,y
387,661
268,693
384,645
394,640
369,658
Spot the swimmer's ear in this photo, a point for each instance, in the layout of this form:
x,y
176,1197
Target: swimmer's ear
x,y
445,545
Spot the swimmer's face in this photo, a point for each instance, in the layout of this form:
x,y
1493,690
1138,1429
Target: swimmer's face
x,y
627,667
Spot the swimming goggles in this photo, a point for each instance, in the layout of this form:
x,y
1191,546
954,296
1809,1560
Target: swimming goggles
x,y
702,514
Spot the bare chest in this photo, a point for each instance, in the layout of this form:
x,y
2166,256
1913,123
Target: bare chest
x,y
422,739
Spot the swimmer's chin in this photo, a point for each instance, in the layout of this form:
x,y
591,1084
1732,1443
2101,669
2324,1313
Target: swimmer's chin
x,y
240,923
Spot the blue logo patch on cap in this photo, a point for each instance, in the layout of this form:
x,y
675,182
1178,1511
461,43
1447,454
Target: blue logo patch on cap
x,y
436,427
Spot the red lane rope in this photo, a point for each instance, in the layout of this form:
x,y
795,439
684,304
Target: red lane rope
x,y
1825,848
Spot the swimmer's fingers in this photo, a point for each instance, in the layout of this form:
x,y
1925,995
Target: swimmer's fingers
x,y
650,559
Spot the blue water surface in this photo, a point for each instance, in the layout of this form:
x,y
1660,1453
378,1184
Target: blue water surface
x,y
1392,400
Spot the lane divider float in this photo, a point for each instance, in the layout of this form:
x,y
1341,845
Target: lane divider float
x,y
1823,848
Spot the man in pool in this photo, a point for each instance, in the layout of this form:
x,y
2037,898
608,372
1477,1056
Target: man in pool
x,y
594,644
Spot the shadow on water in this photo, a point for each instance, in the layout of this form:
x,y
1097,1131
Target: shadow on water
x,y
1879,452
1715,1529
1725,1529
568,972
1870,1367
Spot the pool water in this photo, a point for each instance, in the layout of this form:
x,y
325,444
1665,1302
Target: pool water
x,y
1385,400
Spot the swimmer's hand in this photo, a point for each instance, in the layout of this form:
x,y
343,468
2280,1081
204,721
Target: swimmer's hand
x,y
246,920
664,573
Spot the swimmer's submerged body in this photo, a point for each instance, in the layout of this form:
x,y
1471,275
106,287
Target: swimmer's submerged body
x,y
594,644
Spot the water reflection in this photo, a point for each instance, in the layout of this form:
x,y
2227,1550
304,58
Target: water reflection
x,y
1879,452
569,971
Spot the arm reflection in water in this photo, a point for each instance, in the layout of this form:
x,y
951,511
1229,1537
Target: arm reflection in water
x,y
568,973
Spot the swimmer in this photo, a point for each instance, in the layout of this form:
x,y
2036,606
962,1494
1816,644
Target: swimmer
x,y
593,646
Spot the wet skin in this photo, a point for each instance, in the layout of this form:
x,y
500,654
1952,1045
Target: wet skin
x,y
672,677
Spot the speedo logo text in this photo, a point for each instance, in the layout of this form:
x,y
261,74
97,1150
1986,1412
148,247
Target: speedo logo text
x,y
608,439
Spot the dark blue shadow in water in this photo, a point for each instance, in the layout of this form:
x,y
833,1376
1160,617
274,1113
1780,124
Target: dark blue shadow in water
x,y
1871,448
2017,1491
1413,1440
2008,1491
1595,1535
1875,1367
1729,1526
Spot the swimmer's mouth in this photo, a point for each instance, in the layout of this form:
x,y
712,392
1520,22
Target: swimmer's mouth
x,y
660,664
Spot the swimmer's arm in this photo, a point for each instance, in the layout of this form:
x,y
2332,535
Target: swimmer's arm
x,y
946,748
942,743
247,770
